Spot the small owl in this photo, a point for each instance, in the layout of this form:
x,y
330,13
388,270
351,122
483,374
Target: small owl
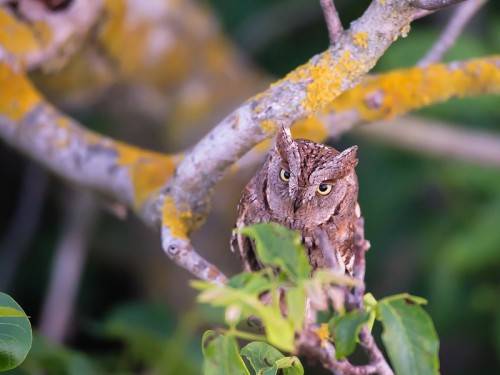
x,y
305,186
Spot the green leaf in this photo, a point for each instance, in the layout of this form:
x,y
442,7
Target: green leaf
x,y
407,297
261,355
296,303
15,333
250,282
279,330
280,247
290,366
409,337
345,329
267,360
221,355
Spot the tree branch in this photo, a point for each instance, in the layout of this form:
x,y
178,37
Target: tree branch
x,y
434,4
437,139
332,19
448,37
71,252
385,96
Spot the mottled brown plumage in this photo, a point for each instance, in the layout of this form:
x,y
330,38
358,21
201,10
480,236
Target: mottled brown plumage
x,y
308,187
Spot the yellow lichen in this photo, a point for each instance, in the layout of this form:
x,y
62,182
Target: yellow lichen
x,y
269,127
149,171
17,95
175,219
361,39
326,79
400,91
15,36
43,32
310,128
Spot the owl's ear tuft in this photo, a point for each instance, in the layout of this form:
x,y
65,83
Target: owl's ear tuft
x,y
287,150
283,139
347,158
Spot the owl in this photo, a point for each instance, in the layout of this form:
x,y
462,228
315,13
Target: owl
x,y
308,187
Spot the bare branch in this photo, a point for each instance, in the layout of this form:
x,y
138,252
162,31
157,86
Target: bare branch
x,y
434,4
332,19
437,139
67,267
377,359
458,20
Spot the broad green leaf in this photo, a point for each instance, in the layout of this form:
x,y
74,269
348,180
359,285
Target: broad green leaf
x,y
221,355
15,333
409,337
267,360
280,247
345,329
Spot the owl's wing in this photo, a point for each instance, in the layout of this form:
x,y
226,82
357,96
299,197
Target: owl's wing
x,y
251,210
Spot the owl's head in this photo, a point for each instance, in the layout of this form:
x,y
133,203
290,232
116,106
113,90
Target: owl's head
x,y
310,183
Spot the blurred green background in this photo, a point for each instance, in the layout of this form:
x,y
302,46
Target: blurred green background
x,y
434,224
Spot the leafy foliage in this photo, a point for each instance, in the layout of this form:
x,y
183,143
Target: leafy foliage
x,y
409,335
15,333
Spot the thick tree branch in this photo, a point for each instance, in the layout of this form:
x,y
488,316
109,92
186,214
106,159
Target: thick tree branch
x,y
128,174
388,95
456,24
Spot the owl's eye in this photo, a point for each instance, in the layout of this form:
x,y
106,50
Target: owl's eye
x,y
284,175
324,189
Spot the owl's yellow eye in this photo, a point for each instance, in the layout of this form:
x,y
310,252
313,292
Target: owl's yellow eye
x,y
324,189
284,175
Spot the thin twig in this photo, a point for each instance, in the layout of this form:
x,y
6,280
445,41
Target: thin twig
x,y
332,19
437,139
448,37
57,311
434,4
361,246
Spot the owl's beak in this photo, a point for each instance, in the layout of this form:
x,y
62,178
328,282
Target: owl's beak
x,y
296,204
